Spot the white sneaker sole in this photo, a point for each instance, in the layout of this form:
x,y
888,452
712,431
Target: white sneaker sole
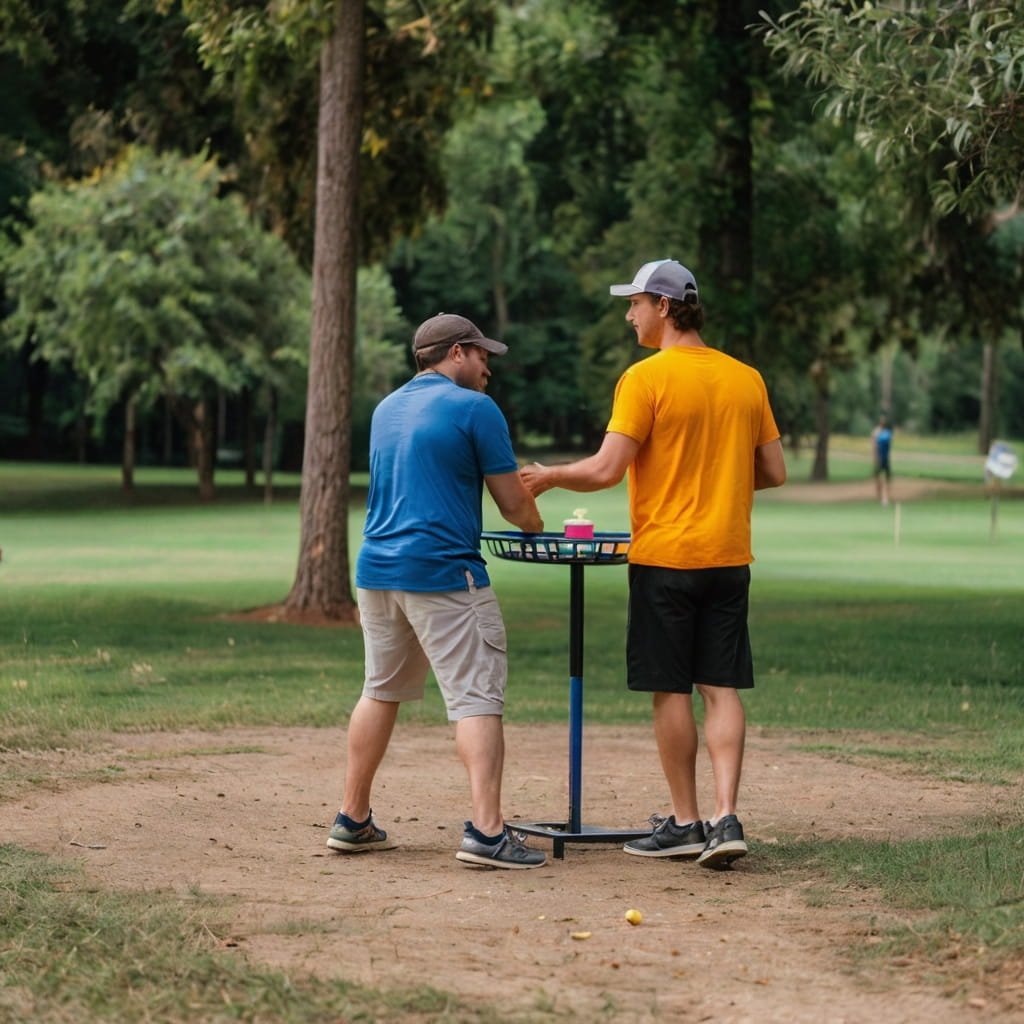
x,y
490,862
723,854
672,851
342,847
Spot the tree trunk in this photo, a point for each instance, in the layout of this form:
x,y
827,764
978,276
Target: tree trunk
x,y
726,243
498,286
886,358
268,446
222,418
989,396
204,444
200,441
81,435
128,448
820,379
36,374
168,431
321,587
248,438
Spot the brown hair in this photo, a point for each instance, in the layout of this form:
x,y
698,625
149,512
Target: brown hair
x,y
686,316
431,355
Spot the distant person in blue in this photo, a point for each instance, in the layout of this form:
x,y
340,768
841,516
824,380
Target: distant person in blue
x,y
881,438
425,600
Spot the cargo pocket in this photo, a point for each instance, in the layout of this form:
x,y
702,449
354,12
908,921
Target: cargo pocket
x,y
490,623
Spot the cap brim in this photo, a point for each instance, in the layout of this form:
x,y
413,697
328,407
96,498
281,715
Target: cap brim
x,y
489,344
625,289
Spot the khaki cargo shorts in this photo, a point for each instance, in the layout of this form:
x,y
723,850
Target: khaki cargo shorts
x,y
460,634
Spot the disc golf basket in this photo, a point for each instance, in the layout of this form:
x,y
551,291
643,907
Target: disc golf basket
x,y
576,553
1000,465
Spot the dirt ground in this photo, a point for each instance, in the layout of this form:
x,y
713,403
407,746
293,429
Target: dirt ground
x,y
243,815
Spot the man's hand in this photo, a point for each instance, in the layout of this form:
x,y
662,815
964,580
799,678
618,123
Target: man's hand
x,y
603,469
533,476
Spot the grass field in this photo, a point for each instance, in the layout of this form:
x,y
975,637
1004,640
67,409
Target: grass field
x,y
113,616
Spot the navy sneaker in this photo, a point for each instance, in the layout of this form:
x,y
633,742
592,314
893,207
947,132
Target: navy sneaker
x,y
508,852
348,836
669,839
725,844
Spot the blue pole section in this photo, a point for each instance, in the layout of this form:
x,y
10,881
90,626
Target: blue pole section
x,y
575,694
575,751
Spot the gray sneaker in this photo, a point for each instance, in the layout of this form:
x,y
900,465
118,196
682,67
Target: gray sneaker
x,y
725,844
669,839
357,840
509,853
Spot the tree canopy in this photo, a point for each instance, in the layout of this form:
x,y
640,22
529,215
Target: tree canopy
x,y
923,80
149,284
844,179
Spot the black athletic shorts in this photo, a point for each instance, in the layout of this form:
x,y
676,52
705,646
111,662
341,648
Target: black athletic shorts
x,y
688,626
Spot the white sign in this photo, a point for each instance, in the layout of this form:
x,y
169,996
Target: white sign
x,y
1001,462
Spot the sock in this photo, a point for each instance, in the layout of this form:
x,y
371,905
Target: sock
x,y
473,831
351,823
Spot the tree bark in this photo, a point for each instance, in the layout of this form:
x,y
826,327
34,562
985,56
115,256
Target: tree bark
x,y
321,588
168,430
498,287
726,243
820,379
248,438
199,426
81,435
128,448
989,396
205,446
887,358
36,376
269,433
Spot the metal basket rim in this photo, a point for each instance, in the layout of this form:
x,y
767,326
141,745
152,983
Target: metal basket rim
x,y
550,548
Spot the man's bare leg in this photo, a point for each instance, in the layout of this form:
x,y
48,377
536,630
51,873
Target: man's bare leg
x,y
725,730
480,742
676,735
369,731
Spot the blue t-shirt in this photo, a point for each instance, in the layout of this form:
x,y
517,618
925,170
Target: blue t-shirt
x,y
883,441
431,444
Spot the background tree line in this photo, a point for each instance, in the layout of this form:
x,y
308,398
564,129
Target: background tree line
x,y
844,179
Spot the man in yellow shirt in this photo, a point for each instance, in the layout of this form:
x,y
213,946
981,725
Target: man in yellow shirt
x,y
695,430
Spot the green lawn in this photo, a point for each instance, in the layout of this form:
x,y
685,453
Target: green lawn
x,y
867,631
113,616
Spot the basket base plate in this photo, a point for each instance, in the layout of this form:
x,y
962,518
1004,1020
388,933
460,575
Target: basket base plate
x,y
559,833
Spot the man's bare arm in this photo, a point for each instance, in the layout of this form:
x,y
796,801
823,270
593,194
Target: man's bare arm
x,y
514,501
769,465
603,469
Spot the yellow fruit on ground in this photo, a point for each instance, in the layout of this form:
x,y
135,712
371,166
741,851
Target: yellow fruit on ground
x,y
634,916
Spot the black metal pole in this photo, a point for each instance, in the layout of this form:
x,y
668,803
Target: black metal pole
x,y
576,619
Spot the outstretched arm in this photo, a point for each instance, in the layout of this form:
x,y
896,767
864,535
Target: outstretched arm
x,y
603,469
769,465
514,501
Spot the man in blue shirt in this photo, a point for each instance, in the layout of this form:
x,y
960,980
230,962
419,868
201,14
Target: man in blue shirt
x,y
425,600
881,438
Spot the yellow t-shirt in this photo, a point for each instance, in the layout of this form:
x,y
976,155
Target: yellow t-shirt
x,y
698,415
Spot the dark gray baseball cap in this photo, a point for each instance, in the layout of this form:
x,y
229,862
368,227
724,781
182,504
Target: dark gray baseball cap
x,y
451,328
662,277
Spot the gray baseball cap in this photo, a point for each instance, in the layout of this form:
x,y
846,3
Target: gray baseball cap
x,y
662,277
451,328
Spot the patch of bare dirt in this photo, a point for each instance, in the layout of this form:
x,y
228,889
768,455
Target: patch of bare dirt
x,y
243,815
346,618
905,489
